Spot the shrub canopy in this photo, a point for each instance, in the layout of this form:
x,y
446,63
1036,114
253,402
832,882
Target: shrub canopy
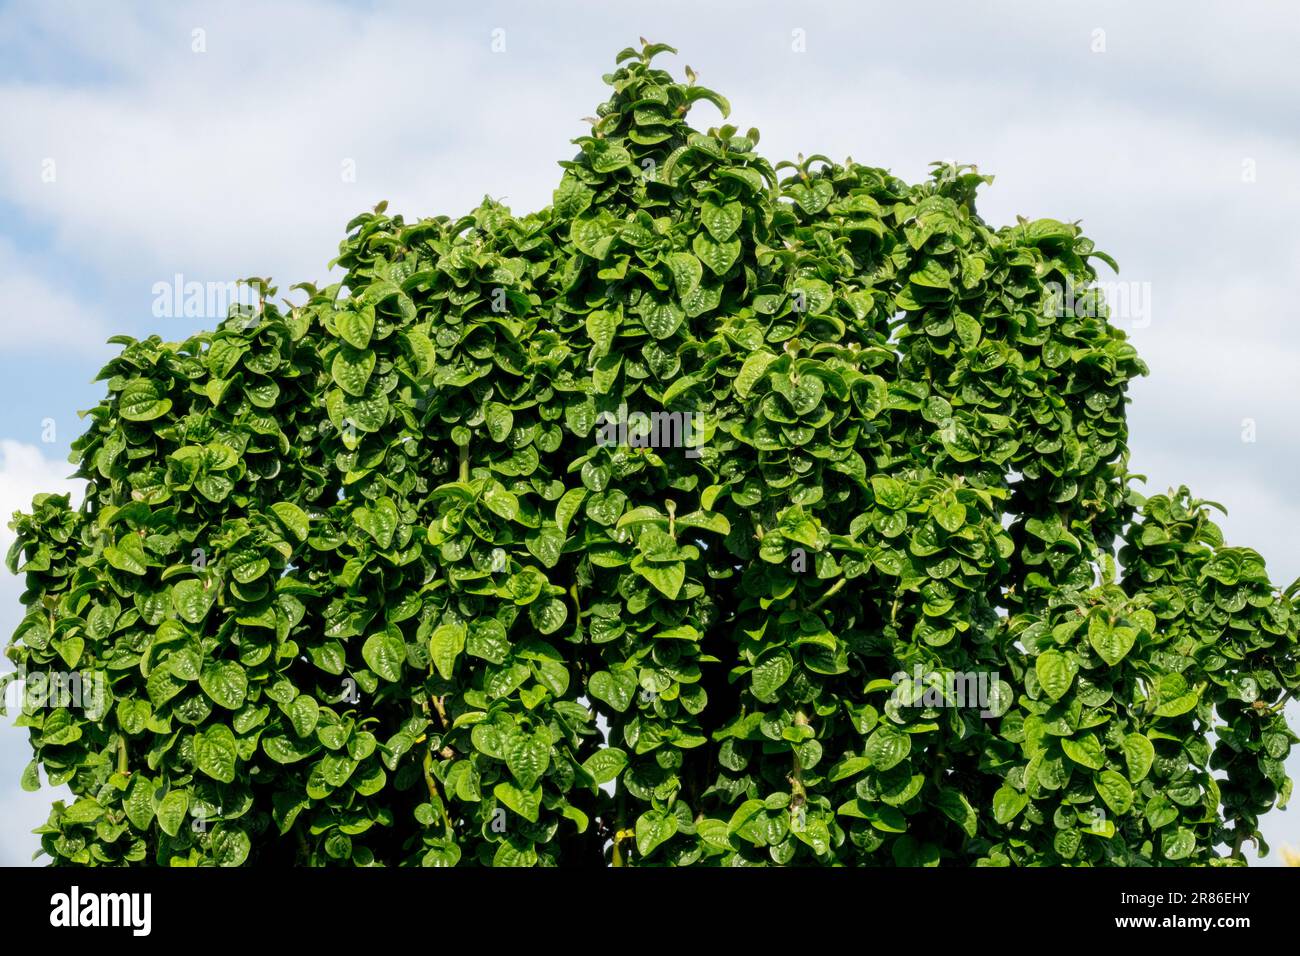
x,y
374,579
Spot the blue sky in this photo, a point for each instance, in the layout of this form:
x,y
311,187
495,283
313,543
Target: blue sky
x,y
221,140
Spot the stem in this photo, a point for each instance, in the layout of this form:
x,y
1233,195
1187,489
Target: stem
x,y
798,795
122,767
577,605
1236,844
464,463
432,786
447,753
835,589
1281,703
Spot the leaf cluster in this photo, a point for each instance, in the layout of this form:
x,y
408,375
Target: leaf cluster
x,y
363,584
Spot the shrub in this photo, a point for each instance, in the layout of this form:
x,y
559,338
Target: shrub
x,y
676,524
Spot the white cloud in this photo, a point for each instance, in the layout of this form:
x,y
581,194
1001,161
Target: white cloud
x,y
231,162
35,313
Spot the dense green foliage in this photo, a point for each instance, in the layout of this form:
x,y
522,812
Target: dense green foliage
x,y
911,461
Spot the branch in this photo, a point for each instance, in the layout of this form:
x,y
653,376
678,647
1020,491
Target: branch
x,y
835,589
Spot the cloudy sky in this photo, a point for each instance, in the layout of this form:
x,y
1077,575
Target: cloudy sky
x,y
211,141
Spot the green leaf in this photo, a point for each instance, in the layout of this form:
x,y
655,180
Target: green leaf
x,y
694,93
225,683
770,674
445,646
1055,673
217,753
527,756
1115,791
379,521
718,256
1174,696
1007,804
1111,643
487,640
813,196
951,517
287,750
605,765
957,808
890,492
723,220
607,156
129,555
355,326
661,318
848,767
548,614
667,577
329,657
501,502
513,852
571,197
385,653
500,420
527,802
293,518
602,327
567,507
686,271
751,371
139,802
705,520
1139,754
304,714
230,846
352,368
247,565
546,545
171,811
653,829
31,778
1177,844
887,747
752,179
1085,750
615,689
142,400
592,235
